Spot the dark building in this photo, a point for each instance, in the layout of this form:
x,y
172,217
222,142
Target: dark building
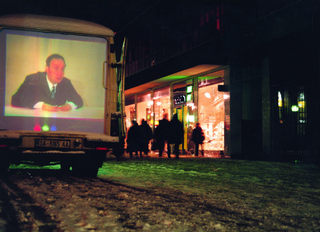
x,y
248,71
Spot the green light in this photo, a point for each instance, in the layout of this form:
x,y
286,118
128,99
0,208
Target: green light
x,y
189,89
294,108
45,128
189,97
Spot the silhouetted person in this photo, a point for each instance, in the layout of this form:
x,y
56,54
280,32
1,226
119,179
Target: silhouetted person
x,y
198,138
161,134
133,138
175,134
190,143
145,137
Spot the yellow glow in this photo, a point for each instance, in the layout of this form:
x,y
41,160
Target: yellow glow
x,y
279,99
301,104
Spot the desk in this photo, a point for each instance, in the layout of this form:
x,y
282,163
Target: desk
x,y
84,112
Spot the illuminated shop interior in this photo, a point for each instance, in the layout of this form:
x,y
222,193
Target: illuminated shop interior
x,y
211,115
194,99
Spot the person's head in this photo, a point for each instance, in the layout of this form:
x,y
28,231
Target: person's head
x,y
197,124
165,116
55,65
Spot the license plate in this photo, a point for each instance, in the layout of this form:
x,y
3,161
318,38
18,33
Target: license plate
x,y
52,143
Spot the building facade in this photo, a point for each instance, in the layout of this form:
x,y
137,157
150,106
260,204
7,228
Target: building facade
x,y
247,71
194,99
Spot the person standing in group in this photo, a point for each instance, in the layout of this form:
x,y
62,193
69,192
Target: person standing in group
x,y
145,137
161,134
198,138
190,143
175,134
133,138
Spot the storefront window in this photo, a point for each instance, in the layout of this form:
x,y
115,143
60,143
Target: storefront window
x,y
161,99
211,110
130,110
144,108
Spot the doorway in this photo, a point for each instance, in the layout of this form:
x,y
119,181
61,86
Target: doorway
x,y
185,116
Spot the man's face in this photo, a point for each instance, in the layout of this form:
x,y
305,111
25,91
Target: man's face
x,y
55,71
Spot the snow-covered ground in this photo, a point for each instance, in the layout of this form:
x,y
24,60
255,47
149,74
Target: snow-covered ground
x,y
152,194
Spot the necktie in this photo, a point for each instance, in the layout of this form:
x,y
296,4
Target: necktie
x,y
53,91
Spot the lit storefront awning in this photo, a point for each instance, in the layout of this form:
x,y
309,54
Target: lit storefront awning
x,y
197,70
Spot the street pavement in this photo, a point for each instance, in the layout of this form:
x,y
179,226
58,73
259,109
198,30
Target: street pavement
x,y
155,154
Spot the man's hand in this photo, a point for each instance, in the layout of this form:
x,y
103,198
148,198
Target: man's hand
x,y
48,107
65,107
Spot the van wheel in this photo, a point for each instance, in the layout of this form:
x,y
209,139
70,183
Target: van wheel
x,y
92,171
118,150
78,169
4,167
85,170
65,167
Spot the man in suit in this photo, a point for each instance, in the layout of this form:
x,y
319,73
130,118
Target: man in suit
x,y
48,90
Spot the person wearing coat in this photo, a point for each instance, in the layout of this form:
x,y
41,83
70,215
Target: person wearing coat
x,y
175,134
145,137
198,138
161,134
133,138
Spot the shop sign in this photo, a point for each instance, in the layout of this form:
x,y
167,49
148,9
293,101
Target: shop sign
x,y
180,99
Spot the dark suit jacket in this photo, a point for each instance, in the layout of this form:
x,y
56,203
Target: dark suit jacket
x,y
35,89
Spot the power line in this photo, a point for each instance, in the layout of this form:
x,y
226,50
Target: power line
x,y
138,16
125,14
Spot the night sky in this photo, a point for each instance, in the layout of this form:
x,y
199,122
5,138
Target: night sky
x,y
115,14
